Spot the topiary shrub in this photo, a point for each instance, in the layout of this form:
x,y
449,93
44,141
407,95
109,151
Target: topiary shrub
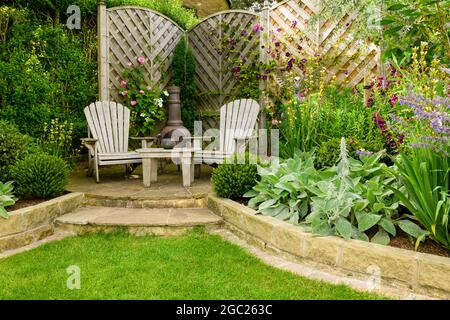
x,y
40,175
234,180
13,146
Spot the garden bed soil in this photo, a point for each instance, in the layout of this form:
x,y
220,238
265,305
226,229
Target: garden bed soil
x,y
23,203
404,242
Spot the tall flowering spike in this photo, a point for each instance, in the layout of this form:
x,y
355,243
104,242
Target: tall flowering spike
x,y
344,165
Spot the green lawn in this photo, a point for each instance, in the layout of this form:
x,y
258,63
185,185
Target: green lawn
x,y
117,266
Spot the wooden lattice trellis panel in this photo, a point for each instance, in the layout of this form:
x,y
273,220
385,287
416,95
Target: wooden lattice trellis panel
x,y
217,41
128,32
134,32
344,57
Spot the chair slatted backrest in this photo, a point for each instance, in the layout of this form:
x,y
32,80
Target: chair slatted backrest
x,y
109,123
237,119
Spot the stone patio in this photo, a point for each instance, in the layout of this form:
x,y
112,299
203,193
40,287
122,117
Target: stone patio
x,y
113,184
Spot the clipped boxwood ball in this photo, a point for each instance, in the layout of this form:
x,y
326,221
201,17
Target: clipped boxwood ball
x,y
40,175
234,180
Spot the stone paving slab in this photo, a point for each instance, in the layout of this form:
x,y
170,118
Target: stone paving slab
x,y
114,184
127,217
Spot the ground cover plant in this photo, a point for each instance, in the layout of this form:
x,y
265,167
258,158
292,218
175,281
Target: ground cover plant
x,y
119,266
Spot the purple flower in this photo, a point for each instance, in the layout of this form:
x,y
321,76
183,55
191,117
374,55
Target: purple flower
x,y
244,33
277,44
290,63
257,27
304,60
258,76
393,100
236,69
294,23
264,77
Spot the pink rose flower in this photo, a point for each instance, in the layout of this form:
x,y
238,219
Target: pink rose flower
x,y
274,122
124,93
123,83
141,60
142,92
149,88
133,102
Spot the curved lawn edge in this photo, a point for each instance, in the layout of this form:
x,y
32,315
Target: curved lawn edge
x,y
196,265
421,272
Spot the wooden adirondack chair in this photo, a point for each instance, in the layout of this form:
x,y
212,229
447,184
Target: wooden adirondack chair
x,y
109,124
237,124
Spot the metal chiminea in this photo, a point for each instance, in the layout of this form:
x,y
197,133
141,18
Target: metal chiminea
x,y
174,131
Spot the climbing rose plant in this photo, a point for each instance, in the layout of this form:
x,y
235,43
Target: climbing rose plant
x,y
144,98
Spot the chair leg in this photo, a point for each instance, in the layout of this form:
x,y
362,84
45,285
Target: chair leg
x,y
97,173
197,171
90,171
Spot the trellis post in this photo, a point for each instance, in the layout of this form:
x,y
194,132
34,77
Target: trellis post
x,y
263,47
103,63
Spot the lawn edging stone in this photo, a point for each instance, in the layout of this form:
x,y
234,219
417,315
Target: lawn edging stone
x,y
420,272
33,223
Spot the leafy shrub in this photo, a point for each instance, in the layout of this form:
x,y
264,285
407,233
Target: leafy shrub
x,y
346,200
233,180
61,78
40,175
6,198
173,9
13,147
183,69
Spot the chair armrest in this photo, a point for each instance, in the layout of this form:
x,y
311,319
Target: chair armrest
x,y
145,141
90,144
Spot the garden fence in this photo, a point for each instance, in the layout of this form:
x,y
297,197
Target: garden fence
x,y
128,32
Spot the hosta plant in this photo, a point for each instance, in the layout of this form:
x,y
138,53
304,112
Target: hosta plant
x,y
6,198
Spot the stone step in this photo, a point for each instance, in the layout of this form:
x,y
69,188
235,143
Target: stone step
x,y
145,202
137,221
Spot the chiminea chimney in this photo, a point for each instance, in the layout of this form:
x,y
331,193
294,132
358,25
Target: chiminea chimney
x,y
174,131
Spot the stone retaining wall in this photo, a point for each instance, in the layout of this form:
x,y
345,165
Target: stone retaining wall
x,y
423,273
34,223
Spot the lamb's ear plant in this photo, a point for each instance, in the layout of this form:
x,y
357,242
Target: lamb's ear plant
x,y
6,198
282,191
